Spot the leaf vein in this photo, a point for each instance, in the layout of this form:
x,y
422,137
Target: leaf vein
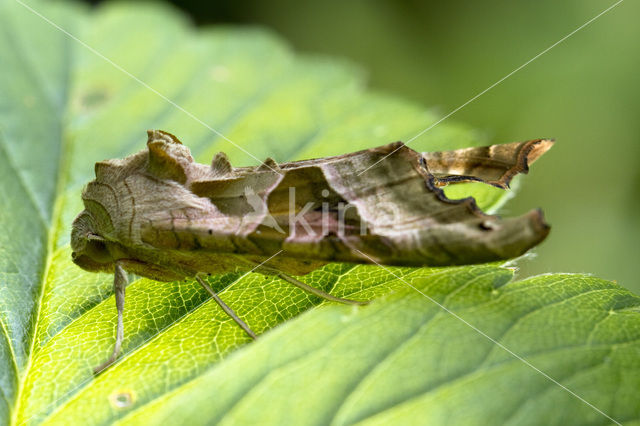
x,y
14,360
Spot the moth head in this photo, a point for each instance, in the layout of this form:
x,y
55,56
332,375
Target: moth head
x,y
95,253
90,250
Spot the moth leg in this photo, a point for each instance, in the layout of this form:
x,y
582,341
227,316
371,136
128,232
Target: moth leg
x,y
119,285
313,290
226,308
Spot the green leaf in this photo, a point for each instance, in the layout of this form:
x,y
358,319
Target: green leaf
x,y
68,103
405,360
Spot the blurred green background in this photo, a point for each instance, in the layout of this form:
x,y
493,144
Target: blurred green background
x,y
585,92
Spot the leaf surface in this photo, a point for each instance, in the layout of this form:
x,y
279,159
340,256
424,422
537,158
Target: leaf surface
x,y
405,360
66,104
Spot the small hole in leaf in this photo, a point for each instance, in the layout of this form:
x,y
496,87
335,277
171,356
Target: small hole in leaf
x,y
122,398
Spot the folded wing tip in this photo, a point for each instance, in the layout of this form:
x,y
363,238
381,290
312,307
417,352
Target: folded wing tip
x,y
539,147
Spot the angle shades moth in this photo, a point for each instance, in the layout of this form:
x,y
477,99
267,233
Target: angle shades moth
x,y
161,215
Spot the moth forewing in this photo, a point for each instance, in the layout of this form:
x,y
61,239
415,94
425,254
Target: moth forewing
x,y
161,215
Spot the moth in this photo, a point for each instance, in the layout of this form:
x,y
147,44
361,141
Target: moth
x,y
161,215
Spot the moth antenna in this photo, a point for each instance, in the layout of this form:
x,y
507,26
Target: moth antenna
x,y
269,165
220,164
168,158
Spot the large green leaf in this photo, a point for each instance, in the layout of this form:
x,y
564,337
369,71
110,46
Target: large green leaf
x,y
64,107
404,360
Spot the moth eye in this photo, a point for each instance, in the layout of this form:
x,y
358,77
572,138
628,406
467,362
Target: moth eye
x,y
487,225
97,248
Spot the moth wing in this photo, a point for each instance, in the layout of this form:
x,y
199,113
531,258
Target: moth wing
x,y
353,208
494,164
357,208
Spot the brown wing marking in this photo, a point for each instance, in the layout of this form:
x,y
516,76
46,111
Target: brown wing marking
x,y
494,164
